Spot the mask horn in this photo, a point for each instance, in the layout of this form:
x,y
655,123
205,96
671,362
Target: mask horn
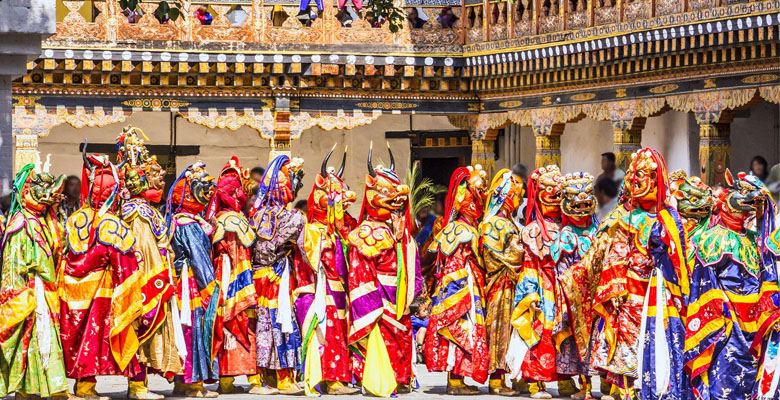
x,y
392,159
343,162
87,163
370,166
324,168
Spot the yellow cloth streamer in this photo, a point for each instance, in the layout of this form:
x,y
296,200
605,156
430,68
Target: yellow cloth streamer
x,y
378,375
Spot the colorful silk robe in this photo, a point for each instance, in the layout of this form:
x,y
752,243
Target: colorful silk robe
x,y
198,293
631,249
321,277
456,340
502,252
277,333
31,359
384,278
566,251
232,242
101,292
537,284
734,302
158,343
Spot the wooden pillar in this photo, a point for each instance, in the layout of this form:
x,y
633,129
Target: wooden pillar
x,y
483,150
627,139
280,141
548,143
714,151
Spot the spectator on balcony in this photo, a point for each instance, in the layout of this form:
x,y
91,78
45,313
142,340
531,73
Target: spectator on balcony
x,y
237,16
203,15
414,19
447,17
133,16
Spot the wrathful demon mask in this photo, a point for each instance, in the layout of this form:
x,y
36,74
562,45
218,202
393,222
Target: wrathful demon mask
x,y
141,174
385,194
468,187
694,197
578,199
193,189
544,193
37,188
329,192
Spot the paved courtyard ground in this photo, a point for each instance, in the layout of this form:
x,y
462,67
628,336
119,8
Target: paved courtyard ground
x,y
432,388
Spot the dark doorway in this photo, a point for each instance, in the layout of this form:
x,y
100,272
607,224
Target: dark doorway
x,y
438,153
439,170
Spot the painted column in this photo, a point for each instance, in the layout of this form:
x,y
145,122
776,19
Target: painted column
x,y
548,150
482,153
714,151
625,143
280,141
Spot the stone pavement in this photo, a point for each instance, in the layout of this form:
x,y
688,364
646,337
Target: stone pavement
x,y
433,388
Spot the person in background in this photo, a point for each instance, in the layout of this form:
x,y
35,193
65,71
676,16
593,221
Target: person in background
x,y
257,174
522,171
72,198
759,168
236,18
414,19
606,193
420,310
203,15
133,16
446,17
610,168
773,182
301,205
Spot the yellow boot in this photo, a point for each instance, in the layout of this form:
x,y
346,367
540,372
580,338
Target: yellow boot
x,y
139,391
86,390
286,384
567,387
338,388
456,386
226,386
196,390
614,393
539,391
497,386
627,393
520,386
257,386
586,391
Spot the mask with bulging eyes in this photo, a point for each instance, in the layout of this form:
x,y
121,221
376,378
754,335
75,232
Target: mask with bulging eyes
x,y
578,198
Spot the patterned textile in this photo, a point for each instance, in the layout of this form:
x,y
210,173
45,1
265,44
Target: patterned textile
x,y
502,252
31,359
233,237
101,294
322,259
537,284
198,293
567,249
158,347
732,307
379,276
277,333
456,340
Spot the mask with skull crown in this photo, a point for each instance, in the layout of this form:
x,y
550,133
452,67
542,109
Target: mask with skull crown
x,y
141,175
645,183
544,193
578,200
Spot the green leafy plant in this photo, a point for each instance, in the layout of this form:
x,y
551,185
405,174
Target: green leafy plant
x,y
422,190
387,12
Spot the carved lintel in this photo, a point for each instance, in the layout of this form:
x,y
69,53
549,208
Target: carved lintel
x,y
770,93
708,106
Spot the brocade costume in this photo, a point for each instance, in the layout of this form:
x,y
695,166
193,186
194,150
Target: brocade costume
x,y
197,289
142,179
31,358
232,240
101,287
321,284
384,278
277,333
732,339
455,340
502,253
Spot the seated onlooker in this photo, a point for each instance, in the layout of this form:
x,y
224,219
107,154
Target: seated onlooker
x,y
414,19
447,17
203,15
133,16
759,168
606,191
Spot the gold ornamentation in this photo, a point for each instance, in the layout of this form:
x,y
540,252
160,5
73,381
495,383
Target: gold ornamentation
x,y
762,78
156,103
664,88
770,93
620,93
582,96
26,101
510,104
386,105
709,83
708,105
